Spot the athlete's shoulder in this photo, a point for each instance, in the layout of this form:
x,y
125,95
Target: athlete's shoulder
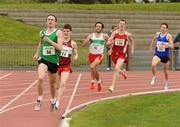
x,y
73,44
128,33
42,31
58,32
158,33
91,35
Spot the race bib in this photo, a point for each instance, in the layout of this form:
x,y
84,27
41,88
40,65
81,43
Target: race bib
x,y
48,50
96,46
66,51
160,47
119,42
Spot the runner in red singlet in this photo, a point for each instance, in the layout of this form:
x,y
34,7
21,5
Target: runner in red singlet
x,y
64,69
119,40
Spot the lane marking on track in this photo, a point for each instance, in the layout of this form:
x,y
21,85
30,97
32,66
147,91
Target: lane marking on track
x,y
85,104
5,106
103,92
5,75
72,96
22,105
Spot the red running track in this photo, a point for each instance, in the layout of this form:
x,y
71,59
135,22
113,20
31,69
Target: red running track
x,y
19,108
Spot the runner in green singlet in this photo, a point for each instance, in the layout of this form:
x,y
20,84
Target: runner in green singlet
x,y
47,55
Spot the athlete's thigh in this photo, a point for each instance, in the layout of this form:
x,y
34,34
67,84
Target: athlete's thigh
x,y
42,69
119,63
166,65
96,62
155,60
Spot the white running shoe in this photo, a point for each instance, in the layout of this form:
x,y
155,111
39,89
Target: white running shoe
x,y
153,80
166,87
38,105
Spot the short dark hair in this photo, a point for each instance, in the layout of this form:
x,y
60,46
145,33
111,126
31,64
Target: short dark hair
x,y
99,23
164,24
67,26
53,16
123,20
113,26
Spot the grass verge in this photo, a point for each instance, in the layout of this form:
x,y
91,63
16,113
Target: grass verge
x,y
152,110
123,7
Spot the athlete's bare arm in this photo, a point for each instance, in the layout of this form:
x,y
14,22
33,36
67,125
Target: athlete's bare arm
x,y
35,57
75,51
106,37
153,42
59,43
131,42
110,40
87,40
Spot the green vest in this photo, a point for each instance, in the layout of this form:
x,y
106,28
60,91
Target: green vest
x,y
47,51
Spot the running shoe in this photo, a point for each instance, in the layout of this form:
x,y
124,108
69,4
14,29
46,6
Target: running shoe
x,y
53,107
99,87
38,105
92,86
166,87
111,89
153,80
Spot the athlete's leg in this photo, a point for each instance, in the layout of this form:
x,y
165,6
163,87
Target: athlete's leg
x,y
165,68
52,83
93,67
155,61
95,72
42,69
117,70
62,82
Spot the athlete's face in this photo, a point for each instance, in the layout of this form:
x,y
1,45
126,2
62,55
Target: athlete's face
x,y
66,33
51,21
98,27
163,28
122,25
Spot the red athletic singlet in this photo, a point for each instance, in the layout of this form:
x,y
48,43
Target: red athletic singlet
x,y
65,55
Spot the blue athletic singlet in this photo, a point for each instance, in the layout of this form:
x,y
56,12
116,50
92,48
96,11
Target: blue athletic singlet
x,y
160,50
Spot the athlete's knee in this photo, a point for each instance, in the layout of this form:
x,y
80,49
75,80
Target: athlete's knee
x,y
92,66
165,68
116,70
53,82
63,84
153,65
40,79
57,87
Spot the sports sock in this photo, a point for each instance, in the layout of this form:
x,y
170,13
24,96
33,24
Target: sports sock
x,y
40,98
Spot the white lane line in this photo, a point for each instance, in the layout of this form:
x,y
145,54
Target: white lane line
x,y
5,76
22,105
104,92
72,96
18,96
